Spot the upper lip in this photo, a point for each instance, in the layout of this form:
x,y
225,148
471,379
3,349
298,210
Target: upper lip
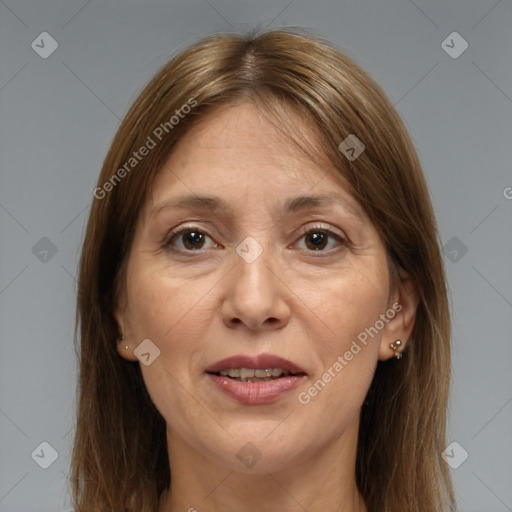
x,y
259,362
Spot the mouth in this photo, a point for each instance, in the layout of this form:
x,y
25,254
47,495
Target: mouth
x,y
260,368
256,374
259,380
253,386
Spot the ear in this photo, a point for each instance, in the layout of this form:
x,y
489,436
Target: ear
x,y
126,341
404,303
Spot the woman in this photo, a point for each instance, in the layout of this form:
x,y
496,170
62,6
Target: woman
x,y
262,304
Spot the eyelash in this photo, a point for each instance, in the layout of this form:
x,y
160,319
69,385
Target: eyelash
x,y
307,230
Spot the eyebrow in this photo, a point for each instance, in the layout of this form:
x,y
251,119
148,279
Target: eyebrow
x,y
293,204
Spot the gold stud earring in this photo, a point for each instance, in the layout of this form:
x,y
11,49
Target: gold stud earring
x,y
395,346
121,338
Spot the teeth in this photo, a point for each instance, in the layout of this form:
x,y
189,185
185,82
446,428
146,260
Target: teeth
x,y
249,373
231,373
246,373
267,372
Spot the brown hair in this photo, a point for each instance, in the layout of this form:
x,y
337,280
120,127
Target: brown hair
x,y
119,459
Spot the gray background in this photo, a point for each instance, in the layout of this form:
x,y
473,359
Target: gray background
x,y
59,114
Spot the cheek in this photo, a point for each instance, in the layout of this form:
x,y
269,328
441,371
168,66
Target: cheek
x,y
351,303
161,307
348,345
171,312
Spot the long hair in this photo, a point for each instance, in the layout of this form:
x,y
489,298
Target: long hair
x,y
119,458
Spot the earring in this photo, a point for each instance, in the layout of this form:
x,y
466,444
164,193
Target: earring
x,y
395,346
121,338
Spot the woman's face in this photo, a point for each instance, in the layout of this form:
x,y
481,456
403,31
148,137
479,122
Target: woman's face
x,y
250,277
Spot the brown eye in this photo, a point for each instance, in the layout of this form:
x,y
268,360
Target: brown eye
x,y
191,239
317,239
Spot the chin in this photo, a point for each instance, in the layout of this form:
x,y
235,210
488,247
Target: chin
x,y
257,454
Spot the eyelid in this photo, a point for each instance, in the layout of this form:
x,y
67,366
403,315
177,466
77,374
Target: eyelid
x,y
341,238
165,244
327,228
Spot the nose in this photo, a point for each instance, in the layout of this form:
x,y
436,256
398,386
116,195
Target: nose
x,y
256,294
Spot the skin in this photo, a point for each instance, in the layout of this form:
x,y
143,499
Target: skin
x,y
209,304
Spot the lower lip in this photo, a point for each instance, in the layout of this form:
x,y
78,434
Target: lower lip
x,y
256,393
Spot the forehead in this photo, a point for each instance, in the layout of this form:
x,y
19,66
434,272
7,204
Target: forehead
x,y
238,153
242,130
